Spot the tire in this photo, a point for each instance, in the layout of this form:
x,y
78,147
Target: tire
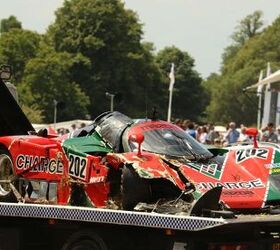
x,y
78,196
85,241
134,189
6,173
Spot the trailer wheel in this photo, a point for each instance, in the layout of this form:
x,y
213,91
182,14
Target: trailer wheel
x,y
134,189
6,174
85,241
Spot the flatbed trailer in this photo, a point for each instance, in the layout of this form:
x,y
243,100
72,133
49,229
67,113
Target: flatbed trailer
x,y
36,226
39,226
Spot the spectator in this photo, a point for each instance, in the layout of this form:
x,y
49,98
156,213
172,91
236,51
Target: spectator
x,y
218,142
179,122
185,124
198,132
82,125
269,135
190,130
232,134
212,134
243,137
73,127
278,133
203,135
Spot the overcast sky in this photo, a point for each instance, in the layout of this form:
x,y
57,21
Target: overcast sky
x,y
200,27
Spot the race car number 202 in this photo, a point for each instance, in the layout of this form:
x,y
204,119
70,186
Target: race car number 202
x,y
77,166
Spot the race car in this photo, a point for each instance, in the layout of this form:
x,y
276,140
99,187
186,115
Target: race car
x,y
117,162
89,167
249,175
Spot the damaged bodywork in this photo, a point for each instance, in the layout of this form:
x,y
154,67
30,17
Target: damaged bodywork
x,y
248,175
88,167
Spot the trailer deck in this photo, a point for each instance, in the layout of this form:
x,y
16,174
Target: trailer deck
x,y
52,225
108,216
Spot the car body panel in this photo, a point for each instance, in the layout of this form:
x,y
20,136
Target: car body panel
x,y
149,166
249,176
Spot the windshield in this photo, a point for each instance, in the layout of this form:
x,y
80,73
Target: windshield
x,y
172,141
111,126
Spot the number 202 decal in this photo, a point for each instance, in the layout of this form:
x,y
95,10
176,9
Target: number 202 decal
x,y
244,154
77,167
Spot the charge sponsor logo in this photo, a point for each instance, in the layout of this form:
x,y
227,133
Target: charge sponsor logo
x,y
39,164
257,183
244,154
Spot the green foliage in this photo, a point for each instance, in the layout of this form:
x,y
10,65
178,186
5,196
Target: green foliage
x,y
17,47
48,78
248,28
228,102
33,113
109,36
9,23
90,26
189,98
94,47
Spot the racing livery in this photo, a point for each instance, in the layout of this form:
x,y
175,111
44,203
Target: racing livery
x,y
81,168
117,162
249,175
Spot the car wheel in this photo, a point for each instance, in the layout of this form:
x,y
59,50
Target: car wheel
x,y
78,196
6,174
85,241
134,189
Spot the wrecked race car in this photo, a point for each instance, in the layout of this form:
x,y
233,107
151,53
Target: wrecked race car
x,y
89,167
249,175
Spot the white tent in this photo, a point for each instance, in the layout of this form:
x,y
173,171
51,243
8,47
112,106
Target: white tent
x,y
65,124
271,98
275,77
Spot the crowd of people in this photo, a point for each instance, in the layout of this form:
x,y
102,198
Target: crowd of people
x,y
73,127
207,134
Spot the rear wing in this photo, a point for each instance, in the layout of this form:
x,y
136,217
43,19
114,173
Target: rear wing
x,y
12,119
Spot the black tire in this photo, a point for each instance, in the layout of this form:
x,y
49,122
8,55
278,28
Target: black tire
x,y
134,189
78,196
6,173
85,240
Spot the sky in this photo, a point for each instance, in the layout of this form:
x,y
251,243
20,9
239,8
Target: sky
x,y
200,27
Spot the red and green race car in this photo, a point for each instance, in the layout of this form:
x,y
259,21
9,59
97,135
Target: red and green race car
x,y
249,174
119,163
83,168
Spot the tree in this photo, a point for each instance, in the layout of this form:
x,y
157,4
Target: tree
x,y
9,23
109,36
247,28
17,47
48,78
189,95
142,85
228,101
33,113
